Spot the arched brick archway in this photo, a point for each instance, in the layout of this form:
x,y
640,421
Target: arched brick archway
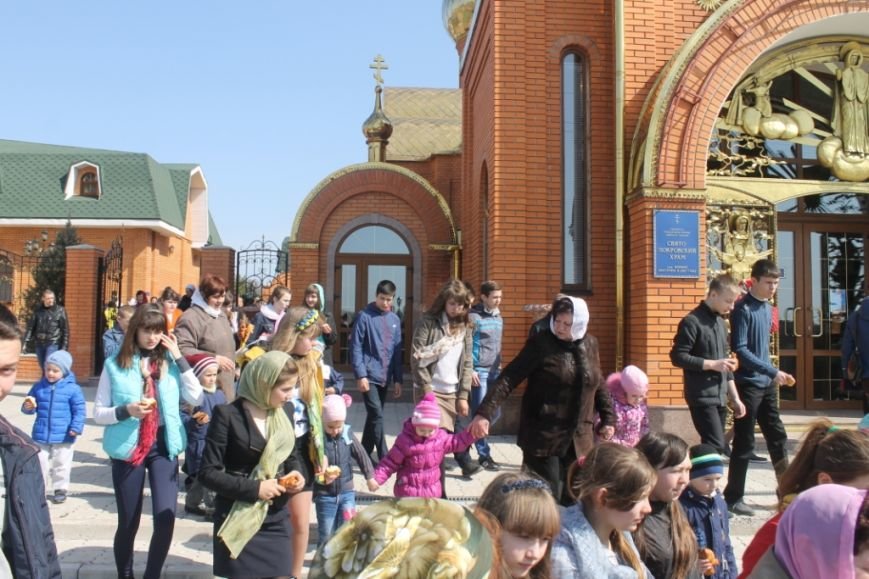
x,y
694,87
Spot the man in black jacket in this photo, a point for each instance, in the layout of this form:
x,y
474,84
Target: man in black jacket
x,y
700,349
48,328
28,540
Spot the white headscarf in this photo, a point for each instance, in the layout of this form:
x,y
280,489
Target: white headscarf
x,y
580,319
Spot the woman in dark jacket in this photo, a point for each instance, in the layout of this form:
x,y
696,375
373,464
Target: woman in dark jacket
x,y
564,389
249,448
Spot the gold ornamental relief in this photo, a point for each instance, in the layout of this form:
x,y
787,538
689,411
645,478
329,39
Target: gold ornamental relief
x,y
800,113
709,5
736,237
846,152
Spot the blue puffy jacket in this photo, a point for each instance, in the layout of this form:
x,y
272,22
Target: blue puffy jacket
x,y
60,407
375,346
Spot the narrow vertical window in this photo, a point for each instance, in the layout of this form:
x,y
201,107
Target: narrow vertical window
x,y
89,186
574,123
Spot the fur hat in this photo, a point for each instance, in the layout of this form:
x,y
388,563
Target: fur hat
x,y
705,460
62,359
200,363
427,412
335,407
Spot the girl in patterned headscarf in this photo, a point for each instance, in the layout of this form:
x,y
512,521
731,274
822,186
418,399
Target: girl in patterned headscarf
x,y
296,335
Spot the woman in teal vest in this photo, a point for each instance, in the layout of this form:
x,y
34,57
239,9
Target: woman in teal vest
x,y
139,401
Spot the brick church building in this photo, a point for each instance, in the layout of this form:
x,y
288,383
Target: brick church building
x,y
622,151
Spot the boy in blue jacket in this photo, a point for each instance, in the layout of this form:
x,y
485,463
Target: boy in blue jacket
x,y
375,353
707,514
60,411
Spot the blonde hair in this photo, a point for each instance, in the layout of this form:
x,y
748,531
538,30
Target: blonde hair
x,y
284,340
523,505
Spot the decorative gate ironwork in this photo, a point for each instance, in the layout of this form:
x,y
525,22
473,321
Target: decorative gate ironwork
x,y
258,268
16,277
108,296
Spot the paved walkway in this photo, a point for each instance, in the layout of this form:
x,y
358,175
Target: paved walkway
x,y
84,526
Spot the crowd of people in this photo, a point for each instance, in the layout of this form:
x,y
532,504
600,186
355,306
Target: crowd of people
x,y
259,417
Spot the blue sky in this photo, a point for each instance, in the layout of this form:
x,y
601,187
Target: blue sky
x,y
268,97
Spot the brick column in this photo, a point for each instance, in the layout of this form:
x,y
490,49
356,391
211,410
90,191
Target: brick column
x,y
654,308
82,305
218,260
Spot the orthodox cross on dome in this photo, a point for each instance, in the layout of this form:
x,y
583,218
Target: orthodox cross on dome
x,y
378,65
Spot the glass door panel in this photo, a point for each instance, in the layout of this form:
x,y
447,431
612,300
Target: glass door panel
x,y
786,300
837,259
345,308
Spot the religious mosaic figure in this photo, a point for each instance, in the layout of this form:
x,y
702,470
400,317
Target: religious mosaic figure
x,y
740,248
851,103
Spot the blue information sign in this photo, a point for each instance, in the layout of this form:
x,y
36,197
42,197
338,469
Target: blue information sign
x,y
677,243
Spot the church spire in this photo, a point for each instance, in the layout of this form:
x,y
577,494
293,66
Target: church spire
x,y
377,128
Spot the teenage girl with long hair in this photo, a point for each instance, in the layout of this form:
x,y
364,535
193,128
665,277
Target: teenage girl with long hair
x,y
666,540
526,521
826,455
296,335
611,485
139,400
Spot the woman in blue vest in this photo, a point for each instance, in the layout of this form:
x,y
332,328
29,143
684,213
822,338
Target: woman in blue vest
x,y
139,400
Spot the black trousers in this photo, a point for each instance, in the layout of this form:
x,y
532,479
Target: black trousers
x,y
372,435
760,406
552,469
709,421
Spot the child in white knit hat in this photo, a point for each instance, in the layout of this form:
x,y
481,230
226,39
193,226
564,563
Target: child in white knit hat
x,y
334,497
419,451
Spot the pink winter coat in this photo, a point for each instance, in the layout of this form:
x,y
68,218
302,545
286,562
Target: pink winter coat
x,y
418,461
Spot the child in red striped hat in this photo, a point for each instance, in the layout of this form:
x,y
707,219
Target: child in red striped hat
x,y
419,452
199,500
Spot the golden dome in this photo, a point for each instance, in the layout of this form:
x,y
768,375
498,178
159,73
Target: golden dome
x,y
377,126
457,16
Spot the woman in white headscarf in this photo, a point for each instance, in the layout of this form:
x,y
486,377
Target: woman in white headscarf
x,y
565,387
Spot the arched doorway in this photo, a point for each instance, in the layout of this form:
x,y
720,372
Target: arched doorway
x,y
364,257
785,159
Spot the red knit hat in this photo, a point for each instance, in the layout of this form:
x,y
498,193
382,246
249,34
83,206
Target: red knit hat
x,y
427,412
200,362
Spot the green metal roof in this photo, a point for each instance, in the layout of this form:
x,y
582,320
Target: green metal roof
x,y
133,185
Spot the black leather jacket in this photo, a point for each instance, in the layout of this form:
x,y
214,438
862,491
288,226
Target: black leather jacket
x,y
48,326
28,539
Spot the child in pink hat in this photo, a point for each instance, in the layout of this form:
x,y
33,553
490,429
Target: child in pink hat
x,y
419,451
334,495
628,390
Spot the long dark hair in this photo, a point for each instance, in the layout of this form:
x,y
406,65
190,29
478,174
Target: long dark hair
x,y
665,450
842,454
147,317
457,291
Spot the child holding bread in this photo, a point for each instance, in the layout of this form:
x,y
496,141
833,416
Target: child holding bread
x,y
60,409
707,514
334,498
252,461
139,402
199,500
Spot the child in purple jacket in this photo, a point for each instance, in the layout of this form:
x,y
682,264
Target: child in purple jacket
x,y
419,451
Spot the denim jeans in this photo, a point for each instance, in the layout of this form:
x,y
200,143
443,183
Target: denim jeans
x,y
478,393
43,351
331,512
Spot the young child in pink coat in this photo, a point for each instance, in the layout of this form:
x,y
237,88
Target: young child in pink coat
x,y
628,390
419,451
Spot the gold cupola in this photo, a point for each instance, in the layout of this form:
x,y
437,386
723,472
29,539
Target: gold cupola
x,y
377,129
457,15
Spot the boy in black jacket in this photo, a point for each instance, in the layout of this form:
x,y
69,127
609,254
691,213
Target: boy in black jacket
x,y
700,349
28,539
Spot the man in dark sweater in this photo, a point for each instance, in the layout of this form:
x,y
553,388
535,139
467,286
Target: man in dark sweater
x,y
700,349
757,381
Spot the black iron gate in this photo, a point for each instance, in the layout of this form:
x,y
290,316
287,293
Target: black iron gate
x,y
108,296
259,267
